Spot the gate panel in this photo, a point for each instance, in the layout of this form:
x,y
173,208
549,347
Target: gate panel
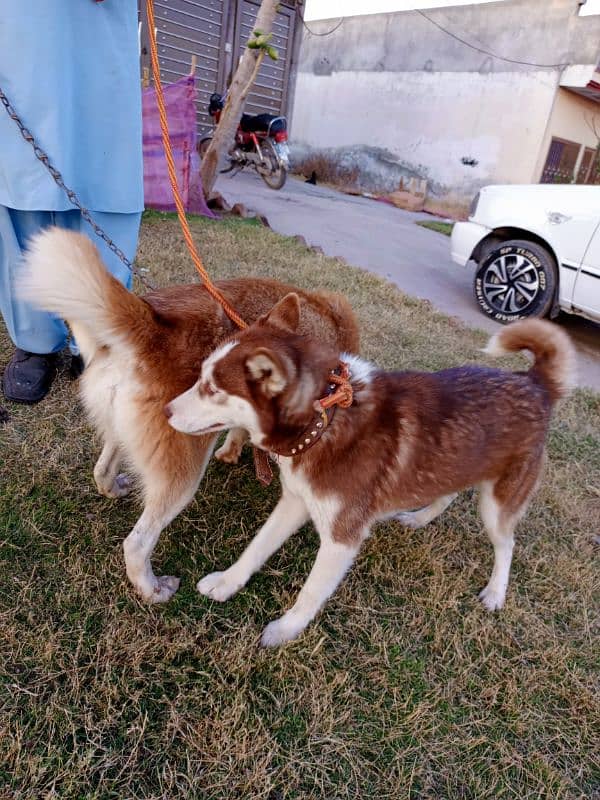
x,y
193,27
269,93
208,29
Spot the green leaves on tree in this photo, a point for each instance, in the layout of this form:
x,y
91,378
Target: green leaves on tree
x,y
260,41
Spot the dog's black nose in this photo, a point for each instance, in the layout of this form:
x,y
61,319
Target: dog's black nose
x,y
167,411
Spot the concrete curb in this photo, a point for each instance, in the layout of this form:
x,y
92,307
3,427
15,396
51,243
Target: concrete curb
x,y
216,202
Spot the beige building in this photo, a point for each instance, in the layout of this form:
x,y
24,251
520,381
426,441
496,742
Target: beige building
x,y
570,150
504,92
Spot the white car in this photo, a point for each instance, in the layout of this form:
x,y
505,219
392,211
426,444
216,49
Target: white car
x,y
537,250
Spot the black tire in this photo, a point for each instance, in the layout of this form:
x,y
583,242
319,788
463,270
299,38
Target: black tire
x,y
202,145
515,280
227,164
275,174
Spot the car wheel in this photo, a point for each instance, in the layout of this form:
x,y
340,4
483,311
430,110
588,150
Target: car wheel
x,y
515,280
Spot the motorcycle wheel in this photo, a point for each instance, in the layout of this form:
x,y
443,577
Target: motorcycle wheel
x,y
230,167
274,175
203,145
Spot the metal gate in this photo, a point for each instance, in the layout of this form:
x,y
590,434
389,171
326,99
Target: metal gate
x,y
216,32
192,27
270,90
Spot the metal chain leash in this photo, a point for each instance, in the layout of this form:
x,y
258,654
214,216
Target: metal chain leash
x,y
58,178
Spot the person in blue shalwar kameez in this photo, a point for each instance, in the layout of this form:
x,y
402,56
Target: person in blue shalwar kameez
x,y
70,68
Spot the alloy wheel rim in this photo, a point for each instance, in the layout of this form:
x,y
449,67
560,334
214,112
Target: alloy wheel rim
x,y
511,283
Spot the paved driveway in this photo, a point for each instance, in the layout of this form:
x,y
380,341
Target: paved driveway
x,y
385,240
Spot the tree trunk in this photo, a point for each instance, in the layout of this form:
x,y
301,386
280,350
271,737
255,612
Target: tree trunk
x,y
242,82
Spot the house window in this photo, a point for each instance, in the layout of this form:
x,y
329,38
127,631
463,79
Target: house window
x,y
561,162
589,169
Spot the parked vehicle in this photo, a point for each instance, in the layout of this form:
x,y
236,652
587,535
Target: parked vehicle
x,y
260,142
537,250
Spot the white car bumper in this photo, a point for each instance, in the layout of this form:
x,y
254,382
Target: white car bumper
x,y
465,238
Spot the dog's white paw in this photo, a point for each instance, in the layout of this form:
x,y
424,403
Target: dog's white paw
x,y
409,519
282,630
220,586
164,589
492,598
121,486
229,453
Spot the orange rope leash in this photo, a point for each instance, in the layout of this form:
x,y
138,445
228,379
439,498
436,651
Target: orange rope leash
x,y
210,287
344,394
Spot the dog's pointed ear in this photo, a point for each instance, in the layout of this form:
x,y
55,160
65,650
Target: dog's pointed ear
x,y
285,314
270,371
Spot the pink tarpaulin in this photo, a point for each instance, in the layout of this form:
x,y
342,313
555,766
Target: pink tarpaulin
x,y
181,114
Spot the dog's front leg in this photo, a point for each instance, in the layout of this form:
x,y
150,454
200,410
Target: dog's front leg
x,y
289,514
332,563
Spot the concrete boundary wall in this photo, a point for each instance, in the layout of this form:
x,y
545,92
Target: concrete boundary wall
x,y
389,96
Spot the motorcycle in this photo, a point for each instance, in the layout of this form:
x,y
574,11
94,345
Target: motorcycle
x,y
260,142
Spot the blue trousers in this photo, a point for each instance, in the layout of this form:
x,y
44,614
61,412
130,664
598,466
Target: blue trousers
x,y
37,331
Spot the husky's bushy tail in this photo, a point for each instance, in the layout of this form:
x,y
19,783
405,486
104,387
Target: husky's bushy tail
x,y
65,274
554,355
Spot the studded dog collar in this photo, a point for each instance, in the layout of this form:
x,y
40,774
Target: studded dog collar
x,y
339,393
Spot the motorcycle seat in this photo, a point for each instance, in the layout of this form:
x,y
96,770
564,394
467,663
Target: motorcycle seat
x,y
259,123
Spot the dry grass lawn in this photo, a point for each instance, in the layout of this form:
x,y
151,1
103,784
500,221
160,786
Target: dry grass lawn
x,y
404,687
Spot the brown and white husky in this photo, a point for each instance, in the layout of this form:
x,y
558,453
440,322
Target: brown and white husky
x,y
140,352
406,440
